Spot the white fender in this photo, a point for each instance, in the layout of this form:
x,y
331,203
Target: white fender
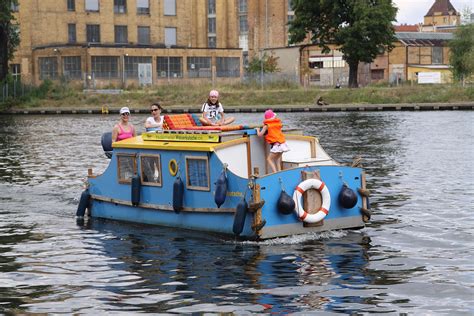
x,y
298,198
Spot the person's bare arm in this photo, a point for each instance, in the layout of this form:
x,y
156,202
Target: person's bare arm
x,y
115,132
262,131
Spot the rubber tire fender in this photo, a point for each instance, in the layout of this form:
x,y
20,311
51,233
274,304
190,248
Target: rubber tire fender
x,y
83,203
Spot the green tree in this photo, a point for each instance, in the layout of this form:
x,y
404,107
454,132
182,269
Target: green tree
x,y
9,36
461,57
264,64
362,29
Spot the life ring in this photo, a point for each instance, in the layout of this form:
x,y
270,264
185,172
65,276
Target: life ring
x,y
298,198
173,167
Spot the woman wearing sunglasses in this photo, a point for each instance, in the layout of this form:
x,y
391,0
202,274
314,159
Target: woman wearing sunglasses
x,y
155,122
123,129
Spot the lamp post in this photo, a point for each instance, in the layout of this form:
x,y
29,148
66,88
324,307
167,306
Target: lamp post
x,y
123,69
168,63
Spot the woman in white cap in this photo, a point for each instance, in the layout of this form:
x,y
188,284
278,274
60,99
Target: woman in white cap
x,y
123,129
213,112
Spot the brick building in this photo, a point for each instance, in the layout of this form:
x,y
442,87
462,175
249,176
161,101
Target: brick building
x,y
120,42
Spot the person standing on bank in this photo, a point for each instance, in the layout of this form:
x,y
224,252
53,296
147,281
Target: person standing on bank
x,y
274,137
123,129
213,112
155,122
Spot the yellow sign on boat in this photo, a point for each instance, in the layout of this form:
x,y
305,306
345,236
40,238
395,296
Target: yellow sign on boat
x,y
207,138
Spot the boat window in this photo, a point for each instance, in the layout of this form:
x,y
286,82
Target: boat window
x,y
197,173
150,169
127,167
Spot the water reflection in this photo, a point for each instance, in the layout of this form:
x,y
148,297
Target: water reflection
x,y
194,268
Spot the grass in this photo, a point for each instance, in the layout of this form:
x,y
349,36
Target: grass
x,y
50,95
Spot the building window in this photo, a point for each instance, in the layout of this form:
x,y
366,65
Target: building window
x,y
437,55
151,169
243,25
242,6
121,34
170,36
143,7
131,65
290,5
126,167
199,67
92,5
48,68
71,33
316,64
105,66
120,6
211,25
211,41
170,7
143,35
15,70
14,7
72,67
175,67
228,67
315,77
71,5
211,6
377,74
197,173
93,33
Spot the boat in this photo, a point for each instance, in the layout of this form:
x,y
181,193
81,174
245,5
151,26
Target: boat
x,y
216,179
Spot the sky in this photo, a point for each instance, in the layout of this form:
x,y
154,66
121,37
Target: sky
x,y
413,11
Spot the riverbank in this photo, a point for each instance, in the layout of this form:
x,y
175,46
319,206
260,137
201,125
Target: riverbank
x,y
243,98
251,109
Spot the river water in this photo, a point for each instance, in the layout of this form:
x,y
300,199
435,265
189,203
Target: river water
x,y
415,257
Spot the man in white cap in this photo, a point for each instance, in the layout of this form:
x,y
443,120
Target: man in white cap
x,y
123,129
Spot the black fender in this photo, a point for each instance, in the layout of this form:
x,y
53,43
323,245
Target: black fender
x,y
178,194
239,217
106,141
135,190
347,197
221,189
83,203
286,204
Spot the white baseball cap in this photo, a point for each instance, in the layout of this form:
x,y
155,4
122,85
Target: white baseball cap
x,y
124,110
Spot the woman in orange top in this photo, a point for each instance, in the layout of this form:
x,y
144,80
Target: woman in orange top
x,y
273,136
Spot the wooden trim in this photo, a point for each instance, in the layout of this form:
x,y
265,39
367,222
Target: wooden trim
x,y
312,144
231,143
299,137
162,207
208,188
160,170
134,156
249,158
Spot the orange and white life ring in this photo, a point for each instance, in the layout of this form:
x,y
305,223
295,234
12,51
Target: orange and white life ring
x,y
298,198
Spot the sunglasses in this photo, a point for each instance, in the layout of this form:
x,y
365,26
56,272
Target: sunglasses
x,y
154,110
125,114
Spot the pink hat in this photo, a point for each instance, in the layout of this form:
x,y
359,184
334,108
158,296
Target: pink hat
x,y
214,93
269,114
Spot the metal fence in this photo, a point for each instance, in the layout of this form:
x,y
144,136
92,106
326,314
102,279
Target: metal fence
x,y
14,90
